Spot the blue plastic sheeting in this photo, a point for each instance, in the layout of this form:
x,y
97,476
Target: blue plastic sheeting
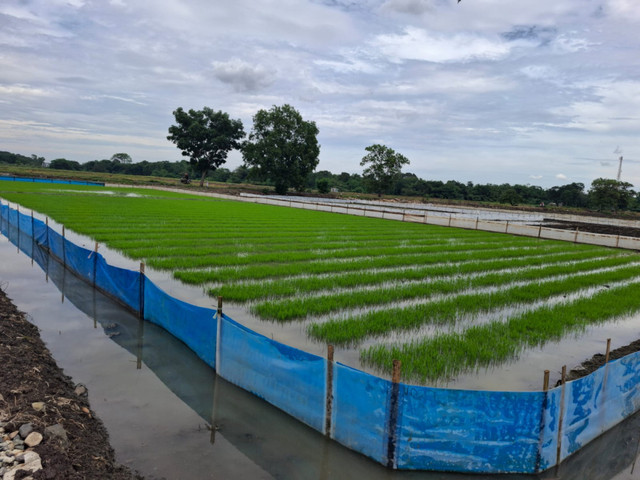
x,y
623,388
286,377
80,260
41,257
25,224
56,244
469,431
549,430
120,283
41,233
599,401
13,218
47,180
195,326
25,244
360,404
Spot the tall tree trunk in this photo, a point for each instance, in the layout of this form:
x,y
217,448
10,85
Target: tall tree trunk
x,y
204,174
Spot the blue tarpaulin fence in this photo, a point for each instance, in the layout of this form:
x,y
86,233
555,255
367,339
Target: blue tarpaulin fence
x,y
402,426
12,178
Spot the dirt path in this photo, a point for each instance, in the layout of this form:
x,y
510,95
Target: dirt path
x,y
30,375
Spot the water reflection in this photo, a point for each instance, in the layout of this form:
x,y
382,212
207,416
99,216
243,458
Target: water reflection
x,y
170,416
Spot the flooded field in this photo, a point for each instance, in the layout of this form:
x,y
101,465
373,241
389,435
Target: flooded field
x,y
159,402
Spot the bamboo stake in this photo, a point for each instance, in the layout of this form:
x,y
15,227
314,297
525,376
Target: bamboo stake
x,y
393,414
329,389
561,417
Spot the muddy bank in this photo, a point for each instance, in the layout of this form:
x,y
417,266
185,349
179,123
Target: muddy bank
x,y
593,228
598,360
30,375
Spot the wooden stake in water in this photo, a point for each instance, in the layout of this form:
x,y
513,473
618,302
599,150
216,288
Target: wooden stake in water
x,y
329,389
392,424
141,304
218,335
561,417
545,384
608,354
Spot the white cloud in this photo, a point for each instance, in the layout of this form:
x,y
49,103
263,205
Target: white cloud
x,y
467,82
561,176
419,44
615,108
625,10
413,7
243,76
484,90
24,90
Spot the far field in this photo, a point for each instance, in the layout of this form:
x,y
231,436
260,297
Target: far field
x,y
442,300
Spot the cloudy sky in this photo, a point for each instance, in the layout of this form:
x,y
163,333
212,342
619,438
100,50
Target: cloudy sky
x,y
537,92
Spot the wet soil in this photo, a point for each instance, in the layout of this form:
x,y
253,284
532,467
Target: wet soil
x,y
598,360
30,374
593,228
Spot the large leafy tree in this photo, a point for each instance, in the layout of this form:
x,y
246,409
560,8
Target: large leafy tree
x,y
384,168
282,147
609,194
206,137
122,158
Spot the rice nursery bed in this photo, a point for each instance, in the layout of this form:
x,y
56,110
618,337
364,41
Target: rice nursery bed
x,y
366,283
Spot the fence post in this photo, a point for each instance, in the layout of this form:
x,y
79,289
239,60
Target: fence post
x,y
545,404
64,248
545,384
561,415
218,334
142,277
329,389
140,343
392,426
95,264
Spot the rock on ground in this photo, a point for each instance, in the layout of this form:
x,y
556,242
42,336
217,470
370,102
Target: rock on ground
x,y
47,429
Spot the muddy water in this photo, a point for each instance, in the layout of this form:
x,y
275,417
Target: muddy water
x,y
157,399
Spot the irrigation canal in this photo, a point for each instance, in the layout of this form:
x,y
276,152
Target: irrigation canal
x,y
158,400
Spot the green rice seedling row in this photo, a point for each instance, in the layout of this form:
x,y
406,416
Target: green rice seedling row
x,y
448,310
447,355
290,286
350,278
298,308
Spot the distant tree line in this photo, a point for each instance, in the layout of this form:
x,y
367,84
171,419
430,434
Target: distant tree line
x,y
17,159
604,194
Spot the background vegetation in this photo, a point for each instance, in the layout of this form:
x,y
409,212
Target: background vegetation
x,y
408,184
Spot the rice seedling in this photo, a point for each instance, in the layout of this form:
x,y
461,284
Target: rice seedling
x,y
328,269
447,355
447,310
